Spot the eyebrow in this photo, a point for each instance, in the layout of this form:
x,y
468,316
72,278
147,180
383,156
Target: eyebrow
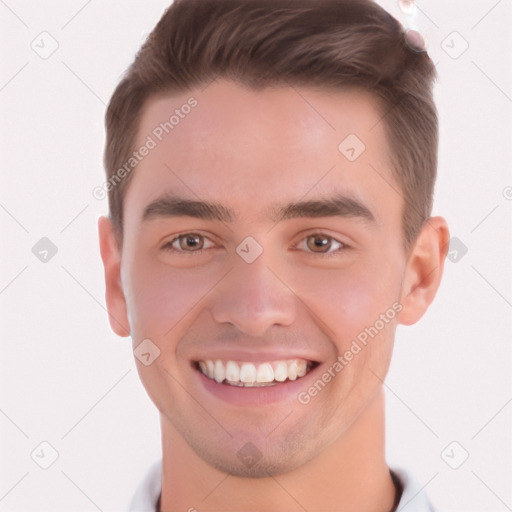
x,y
168,206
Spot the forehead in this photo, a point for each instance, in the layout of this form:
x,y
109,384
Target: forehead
x,y
248,149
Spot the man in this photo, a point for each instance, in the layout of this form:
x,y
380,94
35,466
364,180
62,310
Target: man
x,y
270,170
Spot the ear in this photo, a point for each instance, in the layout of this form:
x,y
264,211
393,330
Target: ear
x,y
114,294
423,270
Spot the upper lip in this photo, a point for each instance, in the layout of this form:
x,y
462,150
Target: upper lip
x,y
253,356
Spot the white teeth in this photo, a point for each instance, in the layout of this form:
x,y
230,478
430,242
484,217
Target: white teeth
x,y
281,371
232,371
251,375
292,371
265,373
248,373
210,367
218,372
302,370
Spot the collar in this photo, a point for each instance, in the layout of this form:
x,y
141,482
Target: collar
x,y
413,498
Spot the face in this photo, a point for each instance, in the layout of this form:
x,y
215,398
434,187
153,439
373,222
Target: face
x,y
256,250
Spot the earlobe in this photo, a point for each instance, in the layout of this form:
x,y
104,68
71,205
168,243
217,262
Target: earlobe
x,y
424,270
114,294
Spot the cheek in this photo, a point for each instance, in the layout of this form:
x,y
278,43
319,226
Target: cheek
x,y
347,300
161,299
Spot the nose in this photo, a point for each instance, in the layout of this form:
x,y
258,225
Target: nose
x,y
254,297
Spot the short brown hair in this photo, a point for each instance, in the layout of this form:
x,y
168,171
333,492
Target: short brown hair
x,y
264,43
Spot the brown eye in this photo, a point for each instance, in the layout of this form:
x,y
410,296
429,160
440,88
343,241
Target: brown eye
x,y
190,242
321,244
317,243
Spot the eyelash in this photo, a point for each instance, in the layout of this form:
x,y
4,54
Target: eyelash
x,y
168,246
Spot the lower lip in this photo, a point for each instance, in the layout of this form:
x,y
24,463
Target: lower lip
x,y
257,396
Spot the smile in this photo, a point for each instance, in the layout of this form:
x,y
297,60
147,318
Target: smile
x,y
247,374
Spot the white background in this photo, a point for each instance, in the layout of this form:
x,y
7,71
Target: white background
x,y
66,379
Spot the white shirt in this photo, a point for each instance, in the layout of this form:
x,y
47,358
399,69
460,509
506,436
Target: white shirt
x,y
146,496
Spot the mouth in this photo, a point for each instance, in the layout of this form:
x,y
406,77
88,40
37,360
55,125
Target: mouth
x,y
247,374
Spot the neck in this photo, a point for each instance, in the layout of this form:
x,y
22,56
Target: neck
x,y
350,474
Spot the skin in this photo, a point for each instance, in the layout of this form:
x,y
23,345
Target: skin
x,y
252,151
